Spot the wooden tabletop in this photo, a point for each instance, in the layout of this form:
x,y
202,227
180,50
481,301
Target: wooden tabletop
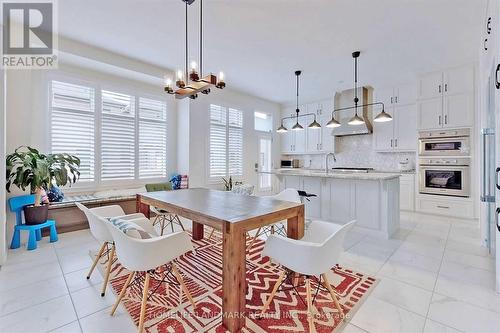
x,y
220,205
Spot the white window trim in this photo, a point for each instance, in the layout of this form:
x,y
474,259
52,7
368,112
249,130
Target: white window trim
x,y
98,184
266,136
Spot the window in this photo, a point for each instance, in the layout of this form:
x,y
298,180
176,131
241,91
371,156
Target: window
x,y
265,164
226,142
72,124
122,138
263,121
117,136
152,138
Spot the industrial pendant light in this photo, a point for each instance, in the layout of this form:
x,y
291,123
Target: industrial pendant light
x,y
382,117
356,120
298,126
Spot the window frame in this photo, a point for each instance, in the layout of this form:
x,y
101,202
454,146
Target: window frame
x,y
130,89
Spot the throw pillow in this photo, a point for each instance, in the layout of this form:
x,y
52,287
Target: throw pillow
x,y
130,229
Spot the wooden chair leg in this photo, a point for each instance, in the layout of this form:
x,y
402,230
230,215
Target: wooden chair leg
x,y
108,270
96,260
334,297
257,234
143,304
183,285
310,318
275,289
122,293
180,223
211,234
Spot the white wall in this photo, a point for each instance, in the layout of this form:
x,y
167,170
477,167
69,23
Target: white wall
x,y
199,127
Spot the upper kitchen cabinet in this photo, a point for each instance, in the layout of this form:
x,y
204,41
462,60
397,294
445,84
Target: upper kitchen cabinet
x,y
293,142
446,99
393,96
399,134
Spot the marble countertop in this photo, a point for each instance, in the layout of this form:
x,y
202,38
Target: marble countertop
x,y
372,175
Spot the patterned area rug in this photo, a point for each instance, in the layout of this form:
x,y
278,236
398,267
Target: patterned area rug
x,y
168,310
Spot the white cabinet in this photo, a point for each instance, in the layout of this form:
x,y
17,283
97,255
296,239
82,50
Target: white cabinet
x,y
432,204
405,128
407,192
399,134
313,206
292,142
446,99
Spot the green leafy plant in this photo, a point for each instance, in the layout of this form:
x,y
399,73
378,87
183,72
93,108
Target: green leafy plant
x,y
27,167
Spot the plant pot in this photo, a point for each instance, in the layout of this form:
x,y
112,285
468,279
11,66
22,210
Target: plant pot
x,y
36,214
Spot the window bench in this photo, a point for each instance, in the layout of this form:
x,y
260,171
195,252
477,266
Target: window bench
x,y
69,218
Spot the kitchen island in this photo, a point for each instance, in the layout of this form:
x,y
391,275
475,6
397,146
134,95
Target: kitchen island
x,y
371,198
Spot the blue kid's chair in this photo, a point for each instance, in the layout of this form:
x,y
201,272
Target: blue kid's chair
x,y
16,205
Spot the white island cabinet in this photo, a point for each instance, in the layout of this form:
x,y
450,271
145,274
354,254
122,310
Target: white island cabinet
x,y
370,198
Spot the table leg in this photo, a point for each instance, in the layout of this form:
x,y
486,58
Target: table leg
x,y
295,225
295,229
142,207
233,278
197,231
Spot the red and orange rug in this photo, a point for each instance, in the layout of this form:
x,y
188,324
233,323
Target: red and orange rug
x,y
168,310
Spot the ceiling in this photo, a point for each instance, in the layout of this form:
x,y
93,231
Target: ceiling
x,y
260,43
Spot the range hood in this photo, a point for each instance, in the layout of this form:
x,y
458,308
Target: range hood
x,y
345,99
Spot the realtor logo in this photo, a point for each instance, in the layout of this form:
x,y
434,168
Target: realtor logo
x,y
29,36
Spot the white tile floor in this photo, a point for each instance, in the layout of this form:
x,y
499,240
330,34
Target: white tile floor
x,y
434,278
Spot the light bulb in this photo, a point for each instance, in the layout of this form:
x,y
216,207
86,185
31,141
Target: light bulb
x,y
221,76
180,75
167,80
193,66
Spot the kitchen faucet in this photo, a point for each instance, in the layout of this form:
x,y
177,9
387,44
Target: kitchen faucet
x,y
326,160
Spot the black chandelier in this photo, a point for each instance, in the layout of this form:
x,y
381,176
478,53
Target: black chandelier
x,y
194,83
298,126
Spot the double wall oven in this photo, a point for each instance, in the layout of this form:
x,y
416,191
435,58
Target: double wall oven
x,y
444,163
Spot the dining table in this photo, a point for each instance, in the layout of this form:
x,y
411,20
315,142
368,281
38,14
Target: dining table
x,y
233,215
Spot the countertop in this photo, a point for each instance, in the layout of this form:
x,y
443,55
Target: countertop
x,y
372,175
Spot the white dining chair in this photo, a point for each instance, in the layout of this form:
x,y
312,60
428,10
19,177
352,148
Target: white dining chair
x,y
312,256
145,256
289,194
103,236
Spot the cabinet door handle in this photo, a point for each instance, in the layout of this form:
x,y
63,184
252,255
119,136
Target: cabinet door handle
x,y
392,99
443,207
497,82
497,170
439,89
396,99
395,142
439,120
446,87
446,119
496,218
391,143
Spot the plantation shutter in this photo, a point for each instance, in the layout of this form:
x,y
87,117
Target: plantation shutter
x,y
117,136
152,138
218,148
235,139
226,142
72,120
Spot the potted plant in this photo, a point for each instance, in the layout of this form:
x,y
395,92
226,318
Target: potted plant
x,y
27,167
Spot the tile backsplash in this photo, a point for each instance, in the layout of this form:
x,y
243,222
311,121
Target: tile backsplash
x,y
357,151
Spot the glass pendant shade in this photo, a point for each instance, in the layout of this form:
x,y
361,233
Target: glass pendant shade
x,y
314,124
282,129
297,127
333,123
356,120
382,117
